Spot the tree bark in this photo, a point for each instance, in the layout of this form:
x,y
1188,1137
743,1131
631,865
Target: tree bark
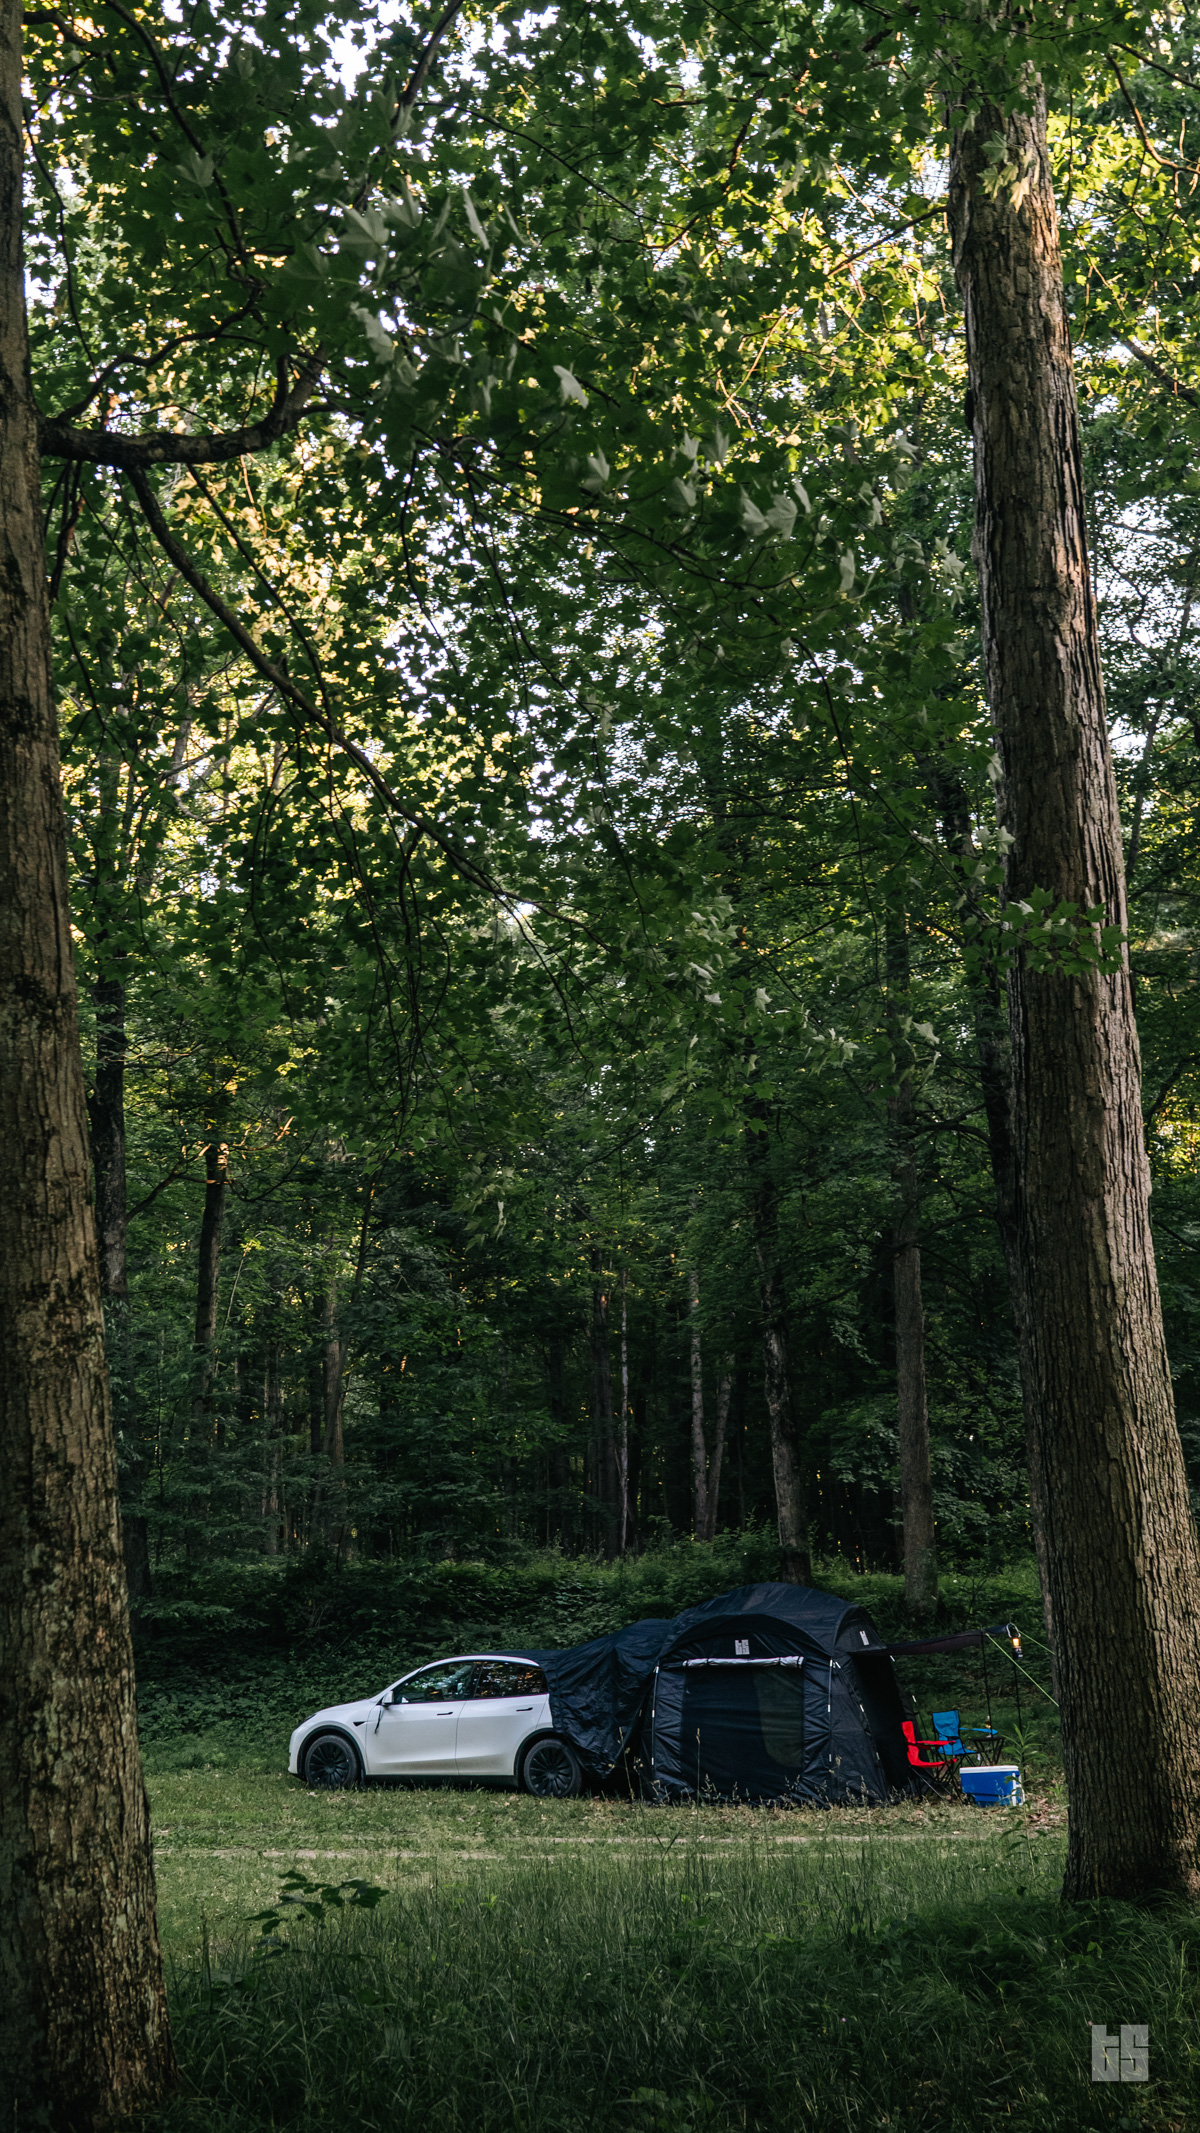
x,y
623,1439
204,1343
790,1504
560,1519
84,2034
208,1278
273,1432
316,1404
114,851
637,1439
699,1447
328,1516
604,1455
1121,1547
208,1271
106,1117
995,1082
337,1345
333,1363
713,1496
916,1479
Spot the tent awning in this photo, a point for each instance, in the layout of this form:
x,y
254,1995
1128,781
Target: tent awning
x,y
967,1640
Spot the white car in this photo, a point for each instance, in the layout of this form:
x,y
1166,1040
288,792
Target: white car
x,y
487,1716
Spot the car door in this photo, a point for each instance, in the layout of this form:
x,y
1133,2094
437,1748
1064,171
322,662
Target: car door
x,y
508,1701
416,1731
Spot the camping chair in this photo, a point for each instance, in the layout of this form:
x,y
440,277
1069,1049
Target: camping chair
x,y
946,1723
985,1740
939,1769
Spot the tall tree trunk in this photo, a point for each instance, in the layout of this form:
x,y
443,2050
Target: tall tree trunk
x,y
637,1439
739,1404
204,1342
113,850
106,1117
699,1447
333,1362
995,1081
208,1290
623,1439
916,1479
560,1519
603,1434
790,1505
273,1432
713,1495
208,1272
334,1358
84,2033
1121,1547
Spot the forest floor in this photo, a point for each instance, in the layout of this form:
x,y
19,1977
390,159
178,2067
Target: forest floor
x,y
597,1965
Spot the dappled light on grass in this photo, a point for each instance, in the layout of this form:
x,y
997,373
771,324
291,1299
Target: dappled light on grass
x,y
703,1973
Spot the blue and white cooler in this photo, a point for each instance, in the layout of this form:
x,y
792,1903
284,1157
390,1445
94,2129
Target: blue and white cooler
x,y
992,1784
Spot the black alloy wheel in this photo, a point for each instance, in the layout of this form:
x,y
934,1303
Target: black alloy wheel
x,y
331,1763
551,1771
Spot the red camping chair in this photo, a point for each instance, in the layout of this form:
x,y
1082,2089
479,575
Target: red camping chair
x,y
940,1769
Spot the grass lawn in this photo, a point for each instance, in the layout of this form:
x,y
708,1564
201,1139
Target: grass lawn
x,y
596,1965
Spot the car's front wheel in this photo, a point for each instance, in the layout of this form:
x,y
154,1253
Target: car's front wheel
x,y
331,1763
550,1770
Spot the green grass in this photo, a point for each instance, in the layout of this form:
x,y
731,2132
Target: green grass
x,y
597,1965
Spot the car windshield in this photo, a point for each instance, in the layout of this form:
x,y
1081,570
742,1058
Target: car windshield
x,y
436,1684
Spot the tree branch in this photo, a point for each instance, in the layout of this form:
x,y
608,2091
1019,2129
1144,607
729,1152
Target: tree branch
x,y
296,697
1160,371
167,87
416,80
1164,162
58,436
150,361
160,448
1177,1073
139,1207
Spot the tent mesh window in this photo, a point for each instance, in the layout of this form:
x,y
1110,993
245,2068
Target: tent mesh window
x,y
781,1714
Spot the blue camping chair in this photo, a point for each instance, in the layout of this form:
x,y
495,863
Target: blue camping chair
x,y
946,1726
985,1740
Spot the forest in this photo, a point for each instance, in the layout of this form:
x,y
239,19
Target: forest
x,y
595,985
437,1168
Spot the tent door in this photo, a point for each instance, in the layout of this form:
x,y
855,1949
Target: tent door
x,y
741,1728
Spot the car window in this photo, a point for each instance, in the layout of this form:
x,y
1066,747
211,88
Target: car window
x,y
435,1684
508,1677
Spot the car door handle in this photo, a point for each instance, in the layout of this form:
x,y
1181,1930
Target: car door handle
x,y
448,1712
523,1707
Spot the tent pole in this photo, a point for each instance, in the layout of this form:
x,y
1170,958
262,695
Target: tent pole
x,y
986,1685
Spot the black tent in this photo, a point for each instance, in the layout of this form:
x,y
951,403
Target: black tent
x,y
598,1690
772,1692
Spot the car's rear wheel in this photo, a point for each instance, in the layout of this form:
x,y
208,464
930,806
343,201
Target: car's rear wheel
x,y
550,1770
331,1763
